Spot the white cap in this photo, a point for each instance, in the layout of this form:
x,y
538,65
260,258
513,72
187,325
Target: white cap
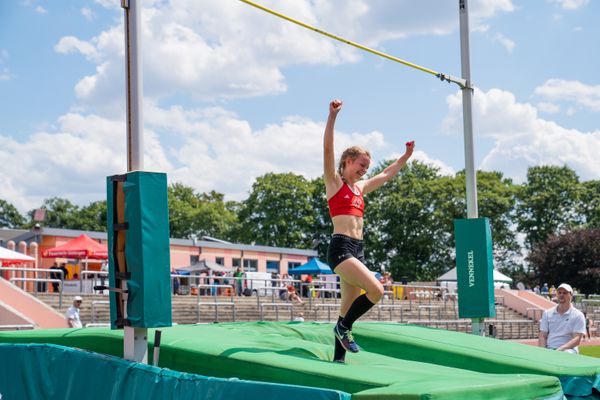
x,y
567,287
77,298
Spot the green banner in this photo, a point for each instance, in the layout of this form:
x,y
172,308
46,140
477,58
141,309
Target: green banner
x,y
474,268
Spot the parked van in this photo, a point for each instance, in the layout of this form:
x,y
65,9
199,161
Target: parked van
x,y
258,282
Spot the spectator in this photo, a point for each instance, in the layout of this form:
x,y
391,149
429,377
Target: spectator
x,y
72,314
55,275
563,326
299,317
65,274
552,293
536,289
239,282
588,324
176,285
292,295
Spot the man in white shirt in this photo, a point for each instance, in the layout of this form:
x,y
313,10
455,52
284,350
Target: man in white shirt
x,y
563,326
72,314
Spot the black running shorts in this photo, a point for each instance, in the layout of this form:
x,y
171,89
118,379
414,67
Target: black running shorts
x,y
342,247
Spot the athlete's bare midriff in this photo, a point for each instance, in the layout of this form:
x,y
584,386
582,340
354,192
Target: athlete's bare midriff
x,y
348,225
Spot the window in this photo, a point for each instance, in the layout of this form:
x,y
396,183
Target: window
x,y
220,260
273,266
236,262
293,265
250,265
194,259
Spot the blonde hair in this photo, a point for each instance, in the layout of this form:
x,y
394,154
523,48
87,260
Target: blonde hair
x,y
351,153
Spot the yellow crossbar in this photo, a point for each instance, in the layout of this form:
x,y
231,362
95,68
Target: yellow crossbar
x,y
351,43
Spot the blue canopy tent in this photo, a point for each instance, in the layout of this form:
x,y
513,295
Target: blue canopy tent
x,y
313,267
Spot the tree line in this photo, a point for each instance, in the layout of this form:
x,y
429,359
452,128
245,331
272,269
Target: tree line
x,y
553,218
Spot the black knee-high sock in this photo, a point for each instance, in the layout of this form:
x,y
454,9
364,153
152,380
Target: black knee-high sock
x,y
339,353
359,307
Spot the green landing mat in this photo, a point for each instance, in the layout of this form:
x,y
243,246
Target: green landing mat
x,y
300,354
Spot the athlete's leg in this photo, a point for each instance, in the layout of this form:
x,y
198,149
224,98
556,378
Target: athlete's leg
x,y
349,293
354,273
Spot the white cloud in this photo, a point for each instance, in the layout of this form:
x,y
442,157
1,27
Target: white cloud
x,y
209,149
508,44
40,10
420,155
571,4
549,108
4,71
70,44
4,74
87,13
522,139
571,91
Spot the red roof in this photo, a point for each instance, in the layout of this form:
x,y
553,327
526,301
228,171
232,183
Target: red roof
x,y
80,247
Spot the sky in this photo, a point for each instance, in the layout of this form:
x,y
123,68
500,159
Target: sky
x,y
231,92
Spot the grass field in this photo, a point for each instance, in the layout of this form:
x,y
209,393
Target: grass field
x,y
592,351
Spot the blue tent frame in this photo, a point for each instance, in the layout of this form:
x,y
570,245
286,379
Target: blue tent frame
x,y
313,267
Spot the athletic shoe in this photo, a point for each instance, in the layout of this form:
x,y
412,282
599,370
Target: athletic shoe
x,y
345,337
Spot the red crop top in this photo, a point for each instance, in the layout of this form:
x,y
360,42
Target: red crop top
x,y
345,202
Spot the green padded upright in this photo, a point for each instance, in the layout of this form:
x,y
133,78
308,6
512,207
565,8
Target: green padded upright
x,y
474,268
147,257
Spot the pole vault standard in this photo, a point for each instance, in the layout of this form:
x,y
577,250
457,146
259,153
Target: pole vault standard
x,y
467,97
135,340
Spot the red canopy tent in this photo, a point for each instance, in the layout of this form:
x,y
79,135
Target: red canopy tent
x,y
81,247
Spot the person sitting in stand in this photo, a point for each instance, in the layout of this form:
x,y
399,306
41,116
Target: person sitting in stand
x,y
563,326
291,295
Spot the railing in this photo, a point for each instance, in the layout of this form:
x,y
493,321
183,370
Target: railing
x,y
276,306
523,326
215,303
585,303
17,327
326,306
97,325
333,291
40,280
429,308
103,279
533,311
503,328
94,303
390,308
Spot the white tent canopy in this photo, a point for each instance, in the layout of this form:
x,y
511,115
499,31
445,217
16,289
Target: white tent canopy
x,y
8,257
450,276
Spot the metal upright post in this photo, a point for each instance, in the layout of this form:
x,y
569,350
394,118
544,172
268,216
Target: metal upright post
x,y
135,342
477,324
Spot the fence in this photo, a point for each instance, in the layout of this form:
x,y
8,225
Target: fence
x,y
214,289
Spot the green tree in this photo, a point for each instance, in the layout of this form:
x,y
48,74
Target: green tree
x,y
197,215
590,203
214,217
93,217
572,257
405,229
278,212
10,216
548,203
322,227
60,213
